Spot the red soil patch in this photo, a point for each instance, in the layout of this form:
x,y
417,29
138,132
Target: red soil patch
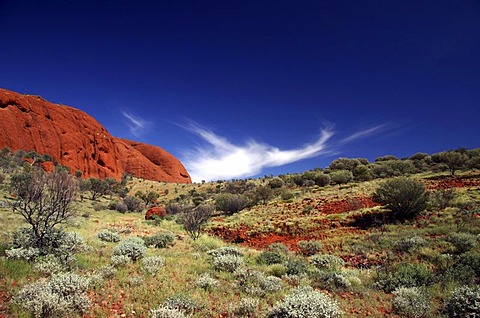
x,y
452,182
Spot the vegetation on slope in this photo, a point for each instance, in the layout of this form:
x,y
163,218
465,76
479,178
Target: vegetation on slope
x,y
333,241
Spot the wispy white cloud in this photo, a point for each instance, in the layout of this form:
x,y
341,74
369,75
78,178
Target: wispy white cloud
x,y
136,125
221,159
364,133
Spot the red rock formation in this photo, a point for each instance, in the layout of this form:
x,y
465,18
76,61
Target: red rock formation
x,y
156,210
76,140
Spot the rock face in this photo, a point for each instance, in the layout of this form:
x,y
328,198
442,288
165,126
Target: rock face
x,y
76,140
155,211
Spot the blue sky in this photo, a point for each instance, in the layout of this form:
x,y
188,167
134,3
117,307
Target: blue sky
x,y
245,88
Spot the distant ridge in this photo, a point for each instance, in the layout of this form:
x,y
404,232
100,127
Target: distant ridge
x,y
76,140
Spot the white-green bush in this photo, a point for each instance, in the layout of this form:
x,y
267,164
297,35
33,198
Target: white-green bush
x,y
165,312
247,307
27,253
327,262
411,302
152,264
464,303
304,302
206,282
120,260
49,265
108,236
255,283
64,295
409,243
227,250
133,247
227,263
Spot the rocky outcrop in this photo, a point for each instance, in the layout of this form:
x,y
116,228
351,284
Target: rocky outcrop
x,y
158,211
76,140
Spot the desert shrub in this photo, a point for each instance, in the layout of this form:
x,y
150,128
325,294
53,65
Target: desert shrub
x,y
206,243
321,179
330,280
183,303
106,272
195,219
279,248
120,260
247,307
411,302
327,262
461,273
442,198
406,275
226,250
121,207
462,241
471,259
64,295
308,248
230,203
49,265
295,266
341,176
409,243
152,264
227,263
269,258
108,236
255,283
27,254
362,173
174,208
165,312
206,282
464,303
160,240
276,183
136,280
304,302
286,195
403,196
133,204
277,270
132,248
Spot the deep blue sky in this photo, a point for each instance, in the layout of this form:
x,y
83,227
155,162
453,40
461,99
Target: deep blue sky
x,y
256,75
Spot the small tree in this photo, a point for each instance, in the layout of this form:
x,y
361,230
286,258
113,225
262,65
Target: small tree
x,y
195,219
97,187
454,160
44,201
403,196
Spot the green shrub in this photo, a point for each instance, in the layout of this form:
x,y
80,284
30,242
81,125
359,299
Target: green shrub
x,y
64,295
108,236
341,176
279,248
322,179
121,207
442,198
308,248
296,266
463,242
405,197
327,262
471,259
406,275
411,302
152,264
330,280
160,240
276,183
230,203
277,270
464,303
304,302
269,258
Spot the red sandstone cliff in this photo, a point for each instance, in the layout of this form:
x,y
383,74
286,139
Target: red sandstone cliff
x,y
78,141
